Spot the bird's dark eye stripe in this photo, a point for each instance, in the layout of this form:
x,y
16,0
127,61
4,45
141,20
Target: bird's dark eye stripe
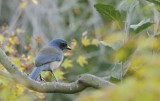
x,y
63,44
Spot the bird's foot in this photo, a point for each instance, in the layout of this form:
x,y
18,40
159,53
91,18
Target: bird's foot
x,y
40,79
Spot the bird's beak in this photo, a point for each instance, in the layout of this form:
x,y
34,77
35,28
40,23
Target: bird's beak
x,y
69,48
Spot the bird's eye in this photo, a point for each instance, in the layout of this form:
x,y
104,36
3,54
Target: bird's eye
x,y
63,44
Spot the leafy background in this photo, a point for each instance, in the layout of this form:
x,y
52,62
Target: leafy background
x,y
116,40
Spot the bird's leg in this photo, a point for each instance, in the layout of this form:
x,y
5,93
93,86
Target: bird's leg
x,y
54,76
41,78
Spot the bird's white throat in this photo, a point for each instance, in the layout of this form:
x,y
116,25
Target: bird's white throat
x,y
55,64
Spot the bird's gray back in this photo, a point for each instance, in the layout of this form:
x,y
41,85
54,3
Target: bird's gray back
x,y
47,55
49,50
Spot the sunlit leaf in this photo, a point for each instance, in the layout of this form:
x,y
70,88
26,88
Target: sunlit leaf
x,y
124,53
28,47
17,62
1,39
19,30
82,60
20,89
5,27
114,40
59,74
85,41
148,7
141,25
84,34
95,42
108,11
31,59
35,1
9,49
14,40
67,63
17,90
23,4
114,37
45,74
38,39
73,43
5,94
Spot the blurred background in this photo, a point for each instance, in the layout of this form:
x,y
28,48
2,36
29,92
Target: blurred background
x,y
101,44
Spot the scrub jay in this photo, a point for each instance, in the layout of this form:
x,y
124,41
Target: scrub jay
x,y
49,58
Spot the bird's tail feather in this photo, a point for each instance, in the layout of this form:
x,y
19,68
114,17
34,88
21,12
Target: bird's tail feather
x,y
36,72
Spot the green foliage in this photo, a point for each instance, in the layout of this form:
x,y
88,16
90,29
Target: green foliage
x,y
155,1
108,11
116,71
138,54
145,23
99,46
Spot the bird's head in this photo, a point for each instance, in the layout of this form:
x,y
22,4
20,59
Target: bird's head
x,y
59,43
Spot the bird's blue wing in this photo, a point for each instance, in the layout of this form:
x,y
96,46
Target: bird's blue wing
x,y
42,59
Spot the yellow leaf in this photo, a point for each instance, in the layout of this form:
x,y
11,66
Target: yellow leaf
x,y
59,74
20,89
5,94
82,60
84,33
38,39
5,27
67,63
17,62
19,30
95,42
85,41
9,49
1,38
23,4
35,1
73,43
31,59
17,90
114,38
14,40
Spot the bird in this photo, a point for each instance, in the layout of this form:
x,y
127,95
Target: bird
x,y
49,58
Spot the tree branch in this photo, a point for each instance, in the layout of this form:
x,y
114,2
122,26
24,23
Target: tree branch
x,y
84,81
5,74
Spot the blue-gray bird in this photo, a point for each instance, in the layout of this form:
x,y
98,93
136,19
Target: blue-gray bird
x,y
49,58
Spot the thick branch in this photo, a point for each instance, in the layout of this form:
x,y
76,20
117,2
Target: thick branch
x,y
84,81
5,74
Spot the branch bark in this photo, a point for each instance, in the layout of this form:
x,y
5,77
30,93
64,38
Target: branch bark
x,y
84,81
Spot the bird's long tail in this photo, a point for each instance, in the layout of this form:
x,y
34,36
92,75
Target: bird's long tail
x,y
36,72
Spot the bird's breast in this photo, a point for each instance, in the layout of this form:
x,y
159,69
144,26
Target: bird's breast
x,y
55,64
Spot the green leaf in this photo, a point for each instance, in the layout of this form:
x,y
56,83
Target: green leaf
x,y
67,63
157,4
108,11
155,1
126,51
116,71
141,26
